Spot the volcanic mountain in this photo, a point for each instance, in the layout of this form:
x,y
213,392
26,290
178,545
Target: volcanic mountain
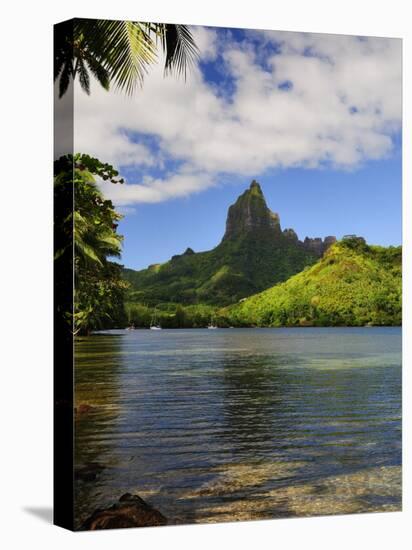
x,y
253,255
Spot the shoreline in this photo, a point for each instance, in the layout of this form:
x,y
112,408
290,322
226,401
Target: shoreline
x,y
173,329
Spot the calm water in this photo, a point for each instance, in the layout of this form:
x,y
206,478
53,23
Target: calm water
x,y
238,424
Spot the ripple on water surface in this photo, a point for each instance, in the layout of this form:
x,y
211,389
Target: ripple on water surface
x,y
240,424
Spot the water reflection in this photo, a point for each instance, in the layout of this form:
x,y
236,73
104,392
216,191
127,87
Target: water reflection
x,y
242,424
97,402
255,400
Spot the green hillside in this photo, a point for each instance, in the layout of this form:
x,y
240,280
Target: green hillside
x,y
352,285
253,255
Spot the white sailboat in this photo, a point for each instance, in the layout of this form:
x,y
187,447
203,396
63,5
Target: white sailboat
x,y
154,325
211,325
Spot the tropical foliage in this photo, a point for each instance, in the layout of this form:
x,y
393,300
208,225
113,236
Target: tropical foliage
x,y
352,285
98,286
170,315
118,52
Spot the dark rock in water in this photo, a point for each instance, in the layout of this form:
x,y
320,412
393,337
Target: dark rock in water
x,y
130,511
89,472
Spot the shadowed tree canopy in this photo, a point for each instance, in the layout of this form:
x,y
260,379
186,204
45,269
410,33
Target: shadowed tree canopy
x,y
118,52
86,232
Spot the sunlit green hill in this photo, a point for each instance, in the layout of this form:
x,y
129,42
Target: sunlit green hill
x,y
353,284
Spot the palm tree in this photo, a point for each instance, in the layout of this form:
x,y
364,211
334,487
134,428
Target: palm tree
x,y
86,240
91,225
94,240
118,52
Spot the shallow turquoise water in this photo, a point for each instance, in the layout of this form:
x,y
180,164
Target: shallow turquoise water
x,y
241,423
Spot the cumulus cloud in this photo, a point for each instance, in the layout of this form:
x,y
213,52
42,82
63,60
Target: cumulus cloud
x,y
296,99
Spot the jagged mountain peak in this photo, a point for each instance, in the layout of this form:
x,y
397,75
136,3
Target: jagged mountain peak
x,y
249,213
255,188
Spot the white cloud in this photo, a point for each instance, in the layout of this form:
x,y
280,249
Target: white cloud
x,y
340,104
154,190
206,41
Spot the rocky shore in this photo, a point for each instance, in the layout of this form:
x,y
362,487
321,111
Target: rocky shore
x,y
129,511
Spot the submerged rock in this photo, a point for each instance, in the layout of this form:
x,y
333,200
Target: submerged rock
x,y
130,511
89,471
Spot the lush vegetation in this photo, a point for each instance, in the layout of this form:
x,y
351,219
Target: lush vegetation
x,y
170,315
352,285
253,255
91,240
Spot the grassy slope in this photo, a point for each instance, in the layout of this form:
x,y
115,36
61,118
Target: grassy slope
x,y
353,284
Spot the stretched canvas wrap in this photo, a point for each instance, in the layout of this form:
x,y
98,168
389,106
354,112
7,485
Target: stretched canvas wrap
x,y
227,274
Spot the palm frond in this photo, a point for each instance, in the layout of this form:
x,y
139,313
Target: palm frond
x,y
180,48
58,66
98,71
63,47
113,242
86,251
120,52
123,48
83,76
66,74
132,51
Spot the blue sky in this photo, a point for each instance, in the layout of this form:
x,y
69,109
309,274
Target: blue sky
x,y
316,119
366,202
